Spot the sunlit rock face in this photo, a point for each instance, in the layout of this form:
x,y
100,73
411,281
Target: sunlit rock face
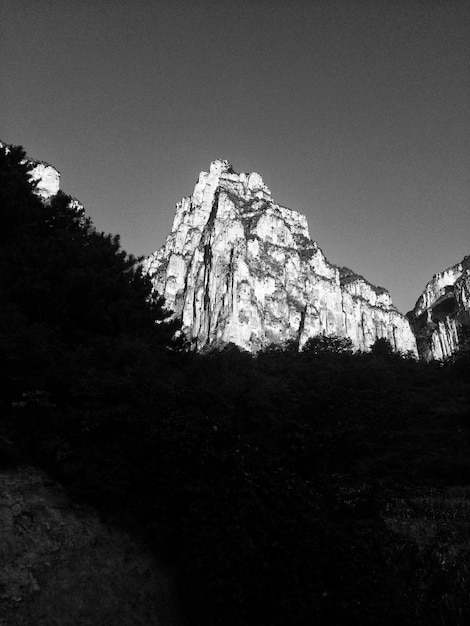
x,y
441,316
46,176
237,267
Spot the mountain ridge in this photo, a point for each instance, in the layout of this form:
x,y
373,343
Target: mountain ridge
x,y
265,242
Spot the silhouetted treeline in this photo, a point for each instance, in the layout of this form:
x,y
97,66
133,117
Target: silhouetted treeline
x,y
264,480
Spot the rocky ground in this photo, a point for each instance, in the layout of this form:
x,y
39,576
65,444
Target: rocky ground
x,y
60,565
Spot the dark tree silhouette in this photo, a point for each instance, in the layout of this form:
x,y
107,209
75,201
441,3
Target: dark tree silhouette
x,y
322,344
382,348
64,274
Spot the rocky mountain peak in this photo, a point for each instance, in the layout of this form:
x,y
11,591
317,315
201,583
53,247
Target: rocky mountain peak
x,y
222,177
238,267
220,166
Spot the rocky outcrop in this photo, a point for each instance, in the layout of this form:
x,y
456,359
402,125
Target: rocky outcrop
x,y
46,176
60,565
441,316
237,267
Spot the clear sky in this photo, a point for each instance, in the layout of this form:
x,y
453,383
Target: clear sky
x,y
355,112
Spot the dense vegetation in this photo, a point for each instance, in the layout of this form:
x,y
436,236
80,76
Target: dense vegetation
x,y
287,488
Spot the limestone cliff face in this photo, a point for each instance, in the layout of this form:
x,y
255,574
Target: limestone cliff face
x,y
441,316
237,267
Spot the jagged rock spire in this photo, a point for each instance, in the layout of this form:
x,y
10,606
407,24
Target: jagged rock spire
x,y
237,267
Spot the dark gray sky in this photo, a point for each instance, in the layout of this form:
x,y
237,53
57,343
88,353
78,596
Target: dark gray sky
x,y
356,113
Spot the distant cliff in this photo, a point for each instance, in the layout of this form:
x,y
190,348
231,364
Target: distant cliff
x,y
441,316
237,267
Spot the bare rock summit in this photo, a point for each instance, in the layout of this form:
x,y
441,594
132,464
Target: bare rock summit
x,y
239,268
